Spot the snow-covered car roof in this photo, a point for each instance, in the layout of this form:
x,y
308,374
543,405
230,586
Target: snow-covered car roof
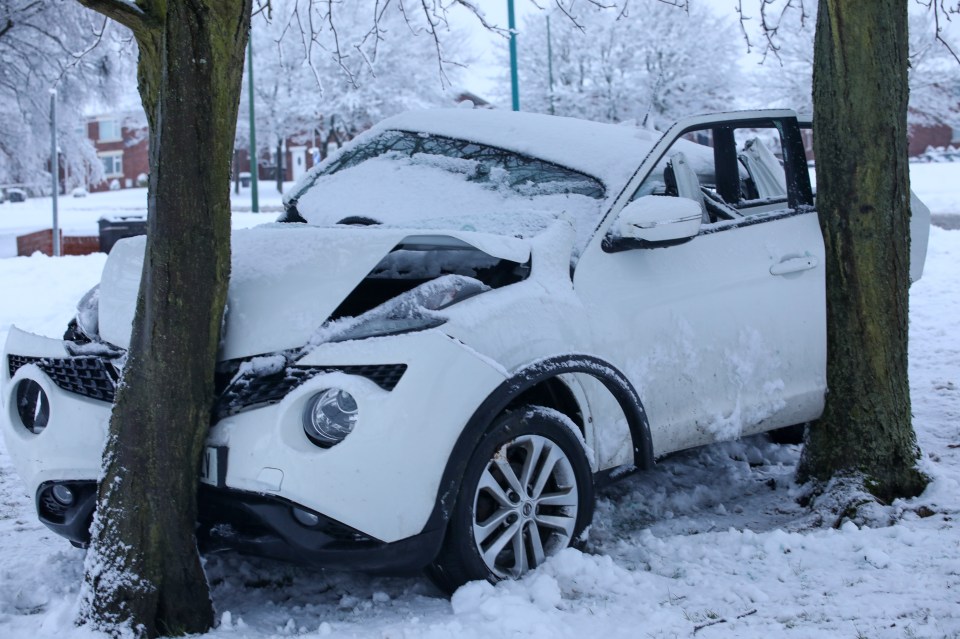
x,y
610,152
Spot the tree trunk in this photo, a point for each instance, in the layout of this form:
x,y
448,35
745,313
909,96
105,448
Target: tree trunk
x,y
860,108
143,570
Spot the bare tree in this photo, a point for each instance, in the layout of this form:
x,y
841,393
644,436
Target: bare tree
x,y
143,571
866,63
860,111
861,65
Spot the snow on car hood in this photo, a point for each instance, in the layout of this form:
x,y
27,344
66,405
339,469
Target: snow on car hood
x,y
286,279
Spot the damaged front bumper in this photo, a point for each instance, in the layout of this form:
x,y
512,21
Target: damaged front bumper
x,y
268,526
367,503
253,524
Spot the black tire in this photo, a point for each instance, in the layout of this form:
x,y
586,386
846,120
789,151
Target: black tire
x,y
548,514
788,434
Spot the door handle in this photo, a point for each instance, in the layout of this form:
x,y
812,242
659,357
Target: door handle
x,y
794,265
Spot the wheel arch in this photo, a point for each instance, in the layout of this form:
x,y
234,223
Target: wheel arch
x,y
537,380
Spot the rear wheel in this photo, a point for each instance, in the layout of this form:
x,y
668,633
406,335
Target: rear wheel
x,y
527,493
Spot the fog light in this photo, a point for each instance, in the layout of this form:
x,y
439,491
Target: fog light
x,y
329,417
33,407
63,494
306,517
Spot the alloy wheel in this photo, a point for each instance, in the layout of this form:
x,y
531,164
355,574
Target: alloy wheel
x,y
525,506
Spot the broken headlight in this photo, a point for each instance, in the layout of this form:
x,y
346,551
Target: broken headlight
x,y
415,310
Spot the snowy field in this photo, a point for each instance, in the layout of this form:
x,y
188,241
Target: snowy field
x,y
79,215
712,543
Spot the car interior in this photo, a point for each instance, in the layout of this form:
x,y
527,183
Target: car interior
x,y
728,186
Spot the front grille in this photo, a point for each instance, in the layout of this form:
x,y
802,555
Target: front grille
x,y
87,376
94,378
248,391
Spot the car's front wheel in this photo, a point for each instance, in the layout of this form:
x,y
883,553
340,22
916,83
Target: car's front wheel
x,y
527,493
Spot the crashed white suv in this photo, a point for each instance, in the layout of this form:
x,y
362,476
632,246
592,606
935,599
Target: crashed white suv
x,y
466,320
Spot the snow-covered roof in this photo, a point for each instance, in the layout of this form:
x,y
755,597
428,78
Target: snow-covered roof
x,y
610,152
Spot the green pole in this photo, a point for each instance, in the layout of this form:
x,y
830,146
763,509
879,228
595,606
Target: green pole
x,y
254,169
550,64
514,82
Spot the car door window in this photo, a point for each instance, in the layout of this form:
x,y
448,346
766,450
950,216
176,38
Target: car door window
x,y
741,173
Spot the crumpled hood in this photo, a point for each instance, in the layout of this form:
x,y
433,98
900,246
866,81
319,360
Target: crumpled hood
x,y
286,279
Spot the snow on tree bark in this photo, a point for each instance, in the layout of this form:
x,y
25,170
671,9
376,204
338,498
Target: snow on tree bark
x,y
860,111
143,571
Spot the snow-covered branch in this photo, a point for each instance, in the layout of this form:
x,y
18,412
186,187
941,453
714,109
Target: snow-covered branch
x,y
44,44
942,11
773,14
328,69
610,65
934,72
125,12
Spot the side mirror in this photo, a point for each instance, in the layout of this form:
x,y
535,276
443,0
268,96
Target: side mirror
x,y
655,220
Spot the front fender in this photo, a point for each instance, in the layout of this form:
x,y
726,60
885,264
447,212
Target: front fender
x,y
522,380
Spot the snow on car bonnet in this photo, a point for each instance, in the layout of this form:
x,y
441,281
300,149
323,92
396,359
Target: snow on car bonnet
x,y
286,279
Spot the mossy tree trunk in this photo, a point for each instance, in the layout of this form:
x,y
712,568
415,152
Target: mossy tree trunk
x,y
143,571
860,110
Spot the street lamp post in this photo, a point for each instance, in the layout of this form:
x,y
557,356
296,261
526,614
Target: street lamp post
x,y
514,82
254,168
54,171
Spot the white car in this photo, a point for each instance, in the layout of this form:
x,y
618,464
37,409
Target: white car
x,y
465,322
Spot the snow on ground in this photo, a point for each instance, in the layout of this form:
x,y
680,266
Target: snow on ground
x,y
937,183
79,215
711,543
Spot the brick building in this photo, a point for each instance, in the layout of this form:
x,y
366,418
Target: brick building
x,y
923,137
297,155
121,142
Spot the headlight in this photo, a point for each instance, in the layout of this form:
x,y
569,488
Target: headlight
x,y
33,406
329,417
378,326
415,310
